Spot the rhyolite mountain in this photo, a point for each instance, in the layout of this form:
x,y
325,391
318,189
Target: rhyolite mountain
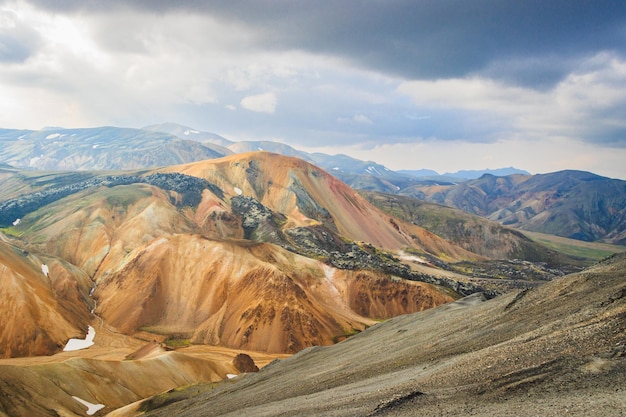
x,y
574,204
354,172
255,251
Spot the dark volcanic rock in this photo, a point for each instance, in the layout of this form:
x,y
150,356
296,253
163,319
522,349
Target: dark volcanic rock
x,y
244,363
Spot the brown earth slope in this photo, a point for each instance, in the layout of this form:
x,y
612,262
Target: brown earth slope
x,y
40,312
559,349
254,296
471,232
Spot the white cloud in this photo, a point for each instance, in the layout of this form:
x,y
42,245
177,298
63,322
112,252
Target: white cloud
x,y
200,93
358,118
363,119
260,103
581,106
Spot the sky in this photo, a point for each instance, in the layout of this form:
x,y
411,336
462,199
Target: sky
x,y
445,85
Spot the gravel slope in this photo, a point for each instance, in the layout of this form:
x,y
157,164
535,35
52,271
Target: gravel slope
x,y
559,349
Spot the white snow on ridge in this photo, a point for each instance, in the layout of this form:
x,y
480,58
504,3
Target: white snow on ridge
x,y
238,191
45,269
53,136
16,222
78,344
372,170
189,132
91,408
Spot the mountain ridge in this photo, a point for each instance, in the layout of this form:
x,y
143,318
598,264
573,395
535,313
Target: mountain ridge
x,y
574,204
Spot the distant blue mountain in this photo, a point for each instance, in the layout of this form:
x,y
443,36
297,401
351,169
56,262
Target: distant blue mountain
x,y
473,174
419,172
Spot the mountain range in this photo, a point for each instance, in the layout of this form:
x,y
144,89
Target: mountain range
x,y
571,204
255,252
177,271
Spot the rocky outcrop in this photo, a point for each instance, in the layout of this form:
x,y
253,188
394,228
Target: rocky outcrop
x,y
244,363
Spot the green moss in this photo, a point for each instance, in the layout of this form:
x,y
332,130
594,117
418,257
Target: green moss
x,y
11,231
343,336
588,251
177,343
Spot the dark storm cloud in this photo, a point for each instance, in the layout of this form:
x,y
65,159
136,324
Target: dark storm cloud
x,y
526,42
17,42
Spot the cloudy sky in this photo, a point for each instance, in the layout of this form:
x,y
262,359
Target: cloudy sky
x,y
446,84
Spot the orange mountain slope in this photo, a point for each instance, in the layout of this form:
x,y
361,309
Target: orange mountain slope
x,y
307,196
43,303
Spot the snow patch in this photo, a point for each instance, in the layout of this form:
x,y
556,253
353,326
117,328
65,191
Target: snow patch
x,y
78,344
335,168
259,148
95,146
16,222
238,191
91,408
189,132
372,170
231,376
53,136
45,269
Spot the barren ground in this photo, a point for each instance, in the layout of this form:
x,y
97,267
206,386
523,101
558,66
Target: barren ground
x,y
559,349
